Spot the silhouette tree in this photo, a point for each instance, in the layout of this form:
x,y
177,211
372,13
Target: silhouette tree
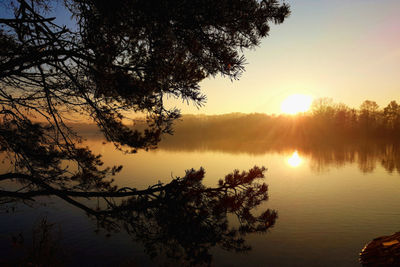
x,y
116,58
181,220
113,60
369,115
391,115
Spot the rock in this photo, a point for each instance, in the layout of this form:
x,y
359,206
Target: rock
x,y
382,251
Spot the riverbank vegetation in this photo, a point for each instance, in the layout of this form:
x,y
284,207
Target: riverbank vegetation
x,y
325,121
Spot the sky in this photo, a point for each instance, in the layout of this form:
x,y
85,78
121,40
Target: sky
x,y
347,50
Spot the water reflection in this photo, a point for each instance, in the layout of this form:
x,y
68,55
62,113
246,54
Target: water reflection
x,y
184,221
294,160
180,221
44,248
366,153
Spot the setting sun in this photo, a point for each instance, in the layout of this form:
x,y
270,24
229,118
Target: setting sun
x,y
296,103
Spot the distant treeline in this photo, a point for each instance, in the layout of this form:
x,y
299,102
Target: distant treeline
x,y
369,120
325,121
329,134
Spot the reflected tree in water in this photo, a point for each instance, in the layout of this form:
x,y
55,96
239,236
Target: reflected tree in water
x,y
266,134
44,249
180,221
185,219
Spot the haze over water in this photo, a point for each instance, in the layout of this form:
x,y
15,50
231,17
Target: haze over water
x,y
331,200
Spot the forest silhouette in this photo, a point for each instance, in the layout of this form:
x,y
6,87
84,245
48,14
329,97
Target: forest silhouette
x,y
326,121
330,134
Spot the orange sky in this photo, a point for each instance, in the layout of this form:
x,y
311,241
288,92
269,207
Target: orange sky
x,y
345,50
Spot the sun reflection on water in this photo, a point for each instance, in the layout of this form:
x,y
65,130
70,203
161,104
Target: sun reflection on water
x,y
294,160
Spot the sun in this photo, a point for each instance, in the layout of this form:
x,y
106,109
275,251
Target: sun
x,y
297,103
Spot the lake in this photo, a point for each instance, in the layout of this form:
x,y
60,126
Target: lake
x,y
331,200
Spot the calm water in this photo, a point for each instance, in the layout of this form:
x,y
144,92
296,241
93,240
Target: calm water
x,y
330,201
